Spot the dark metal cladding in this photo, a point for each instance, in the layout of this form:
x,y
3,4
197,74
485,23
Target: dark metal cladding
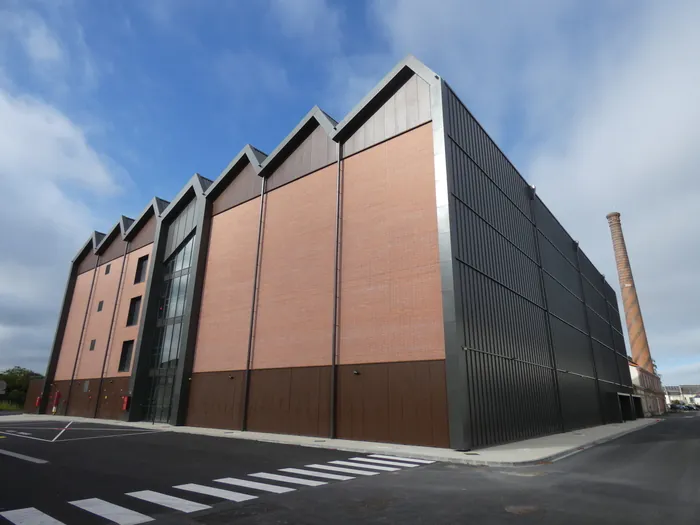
x,y
537,333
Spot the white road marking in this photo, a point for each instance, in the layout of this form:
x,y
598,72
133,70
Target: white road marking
x,y
382,456
172,502
213,491
62,431
322,475
288,479
255,485
384,462
364,465
113,435
25,437
344,470
25,433
112,512
29,516
22,456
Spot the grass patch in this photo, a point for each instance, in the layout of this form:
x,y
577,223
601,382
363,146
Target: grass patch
x,y
7,406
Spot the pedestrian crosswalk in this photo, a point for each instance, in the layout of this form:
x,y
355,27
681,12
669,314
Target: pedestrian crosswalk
x,y
184,497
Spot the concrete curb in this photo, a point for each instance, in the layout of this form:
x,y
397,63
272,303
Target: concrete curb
x,y
564,453
364,447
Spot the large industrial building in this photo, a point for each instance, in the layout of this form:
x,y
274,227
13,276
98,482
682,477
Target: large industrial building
x,y
390,277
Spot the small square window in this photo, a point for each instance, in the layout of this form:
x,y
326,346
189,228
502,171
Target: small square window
x,y
125,357
134,308
86,386
100,305
107,269
92,345
141,267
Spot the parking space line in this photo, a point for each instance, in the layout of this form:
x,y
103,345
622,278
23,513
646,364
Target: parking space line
x,y
29,516
384,462
112,436
288,479
322,475
365,465
22,457
62,431
172,502
421,461
213,491
255,485
25,437
112,512
344,470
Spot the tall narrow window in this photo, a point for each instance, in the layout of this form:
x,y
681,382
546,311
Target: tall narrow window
x,y
134,309
141,267
125,357
100,305
107,269
92,345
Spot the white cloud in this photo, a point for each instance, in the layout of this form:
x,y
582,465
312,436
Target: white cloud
x,y
51,179
48,173
598,109
246,73
316,23
31,32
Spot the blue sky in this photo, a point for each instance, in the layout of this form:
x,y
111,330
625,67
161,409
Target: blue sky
x,y
106,103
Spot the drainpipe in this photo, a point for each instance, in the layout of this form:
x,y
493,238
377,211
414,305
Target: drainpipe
x,y
336,291
251,330
111,329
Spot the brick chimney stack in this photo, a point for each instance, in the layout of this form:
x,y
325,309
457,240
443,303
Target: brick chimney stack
x,y
633,314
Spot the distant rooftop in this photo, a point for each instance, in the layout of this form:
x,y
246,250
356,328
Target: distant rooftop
x,y
687,389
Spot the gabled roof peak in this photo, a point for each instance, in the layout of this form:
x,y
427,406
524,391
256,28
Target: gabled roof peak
x,y
315,117
401,72
248,155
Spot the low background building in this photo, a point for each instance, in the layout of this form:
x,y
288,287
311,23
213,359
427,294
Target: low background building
x,y
648,387
686,394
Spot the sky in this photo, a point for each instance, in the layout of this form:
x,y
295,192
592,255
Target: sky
x,y
107,103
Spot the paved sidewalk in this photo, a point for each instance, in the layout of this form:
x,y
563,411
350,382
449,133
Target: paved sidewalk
x,y
520,453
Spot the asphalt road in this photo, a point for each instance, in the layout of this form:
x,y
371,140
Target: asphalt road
x,y
650,476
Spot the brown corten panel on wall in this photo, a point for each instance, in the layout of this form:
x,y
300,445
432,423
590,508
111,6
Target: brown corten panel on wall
x,y
113,388
83,398
74,326
122,332
145,235
394,402
35,388
216,400
99,323
407,108
62,387
316,151
390,298
295,300
224,319
290,401
245,186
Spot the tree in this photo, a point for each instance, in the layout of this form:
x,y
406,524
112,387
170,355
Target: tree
x,y
17,379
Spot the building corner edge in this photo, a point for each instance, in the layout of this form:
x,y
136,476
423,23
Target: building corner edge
x,y
458,405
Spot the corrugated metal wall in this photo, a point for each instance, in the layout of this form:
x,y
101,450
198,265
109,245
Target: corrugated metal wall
x,y
540,321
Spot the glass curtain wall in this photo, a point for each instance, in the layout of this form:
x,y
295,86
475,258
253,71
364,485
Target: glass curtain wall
x,y
165,354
